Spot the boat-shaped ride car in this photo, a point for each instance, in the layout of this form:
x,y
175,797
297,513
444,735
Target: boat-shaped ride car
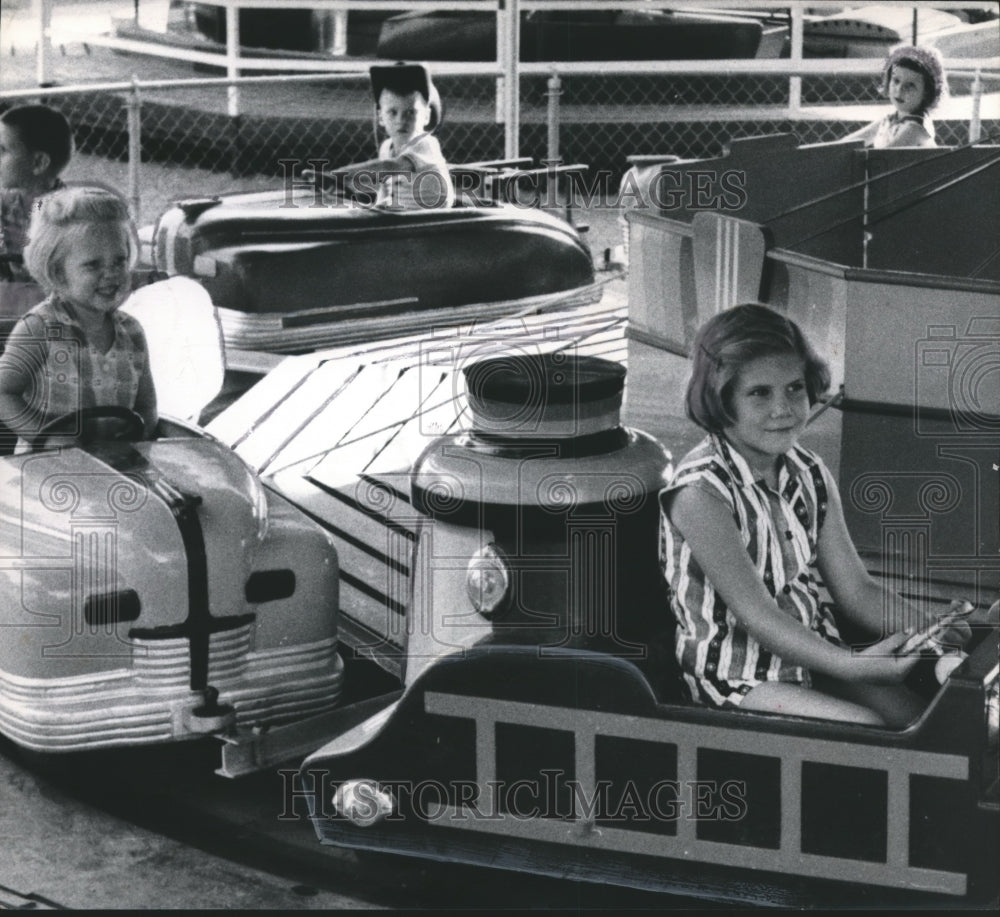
x,y
553,34
586,35
889,263
293,271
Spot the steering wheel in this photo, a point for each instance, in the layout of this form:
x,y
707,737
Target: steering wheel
x,y
345,197
335,192
99,424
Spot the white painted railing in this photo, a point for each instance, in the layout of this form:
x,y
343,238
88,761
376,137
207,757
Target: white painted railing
x,y
507,68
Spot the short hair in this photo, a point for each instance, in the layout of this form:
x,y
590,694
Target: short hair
x,y
62,216
42,130
402,79
927,62
726,343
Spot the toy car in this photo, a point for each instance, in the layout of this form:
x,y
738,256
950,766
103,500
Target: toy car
x,y
156,590
583,35
540,727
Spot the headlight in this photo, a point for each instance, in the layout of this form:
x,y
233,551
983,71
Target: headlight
x,y
363,802
487,580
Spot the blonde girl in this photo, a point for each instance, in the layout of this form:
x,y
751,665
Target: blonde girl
x,y
76,350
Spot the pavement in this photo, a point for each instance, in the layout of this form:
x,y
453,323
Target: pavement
x,y
60,850
157,829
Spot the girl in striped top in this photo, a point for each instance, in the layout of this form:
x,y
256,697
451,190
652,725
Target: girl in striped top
x,y
746,518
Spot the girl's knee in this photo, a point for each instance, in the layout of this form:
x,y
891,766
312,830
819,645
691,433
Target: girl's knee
x,y
895,705
795,700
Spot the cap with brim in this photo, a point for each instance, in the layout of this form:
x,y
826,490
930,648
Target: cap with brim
x,y
544,395
403,78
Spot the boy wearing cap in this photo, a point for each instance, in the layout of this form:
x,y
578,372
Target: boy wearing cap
x,y
410,171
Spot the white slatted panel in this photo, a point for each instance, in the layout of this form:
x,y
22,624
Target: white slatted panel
x,y
317,392
330,429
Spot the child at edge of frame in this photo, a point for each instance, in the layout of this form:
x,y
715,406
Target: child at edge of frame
x,y
75,349
410,170
745,518
913,79
36,145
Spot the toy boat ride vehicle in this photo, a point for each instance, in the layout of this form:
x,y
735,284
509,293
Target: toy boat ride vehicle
x,y
541,726
288,276
583,35
155,590
887,261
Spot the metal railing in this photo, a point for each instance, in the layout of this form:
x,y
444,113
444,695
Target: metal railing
x,y
570,110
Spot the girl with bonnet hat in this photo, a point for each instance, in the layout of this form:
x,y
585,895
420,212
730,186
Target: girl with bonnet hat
x,y
913,80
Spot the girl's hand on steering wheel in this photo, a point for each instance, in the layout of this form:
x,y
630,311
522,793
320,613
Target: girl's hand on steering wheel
x,y
951,629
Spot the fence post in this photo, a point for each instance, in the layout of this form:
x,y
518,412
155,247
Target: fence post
x,y
134,111
975,123
552,156
233,56
501,93
511,47
339,43
795,54
553,92
43,52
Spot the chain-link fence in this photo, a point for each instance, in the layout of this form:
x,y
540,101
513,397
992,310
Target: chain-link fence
x,y
601,120
148,111
605,118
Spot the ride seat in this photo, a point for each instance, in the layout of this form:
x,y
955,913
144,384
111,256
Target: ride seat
x,y
660,666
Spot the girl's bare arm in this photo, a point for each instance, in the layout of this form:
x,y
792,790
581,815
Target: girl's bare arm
x,y
145,401
855,592
865,133
709,529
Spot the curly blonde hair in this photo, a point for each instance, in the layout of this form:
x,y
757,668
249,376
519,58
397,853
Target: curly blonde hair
x,y
60,218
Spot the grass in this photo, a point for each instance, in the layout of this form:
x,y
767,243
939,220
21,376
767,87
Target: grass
x,y
160,185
